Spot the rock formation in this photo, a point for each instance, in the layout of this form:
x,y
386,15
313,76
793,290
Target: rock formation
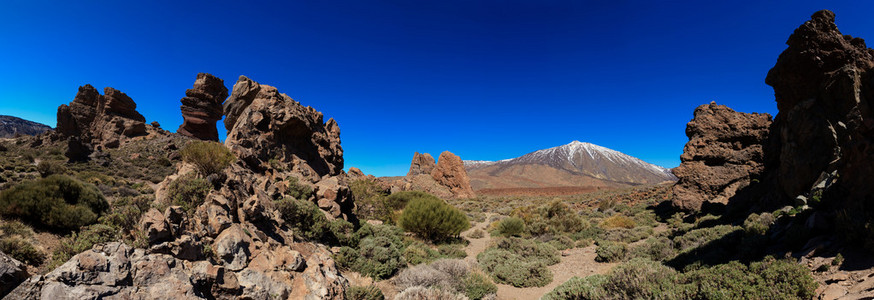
x,y
422,164
265,125
450,173
202,107
822,139
11,126
101,120
12,272
273,134
445,179
723,155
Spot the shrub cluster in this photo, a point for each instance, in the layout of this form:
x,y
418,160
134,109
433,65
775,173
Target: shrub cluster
x,y
609,251
552,219
57,202
22,250
207,157
364,293
188,191
645,279
451,275
519,262
431,218
304,217
378,253
511,226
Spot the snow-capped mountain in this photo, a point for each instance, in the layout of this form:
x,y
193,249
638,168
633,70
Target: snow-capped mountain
x,y
562,164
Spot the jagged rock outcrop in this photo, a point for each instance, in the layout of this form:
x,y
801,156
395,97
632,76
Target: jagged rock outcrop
x,y
450,173
11,126
12,272
100,120
265,125
723,155
202,107
422,164
822,139
277,137
445,179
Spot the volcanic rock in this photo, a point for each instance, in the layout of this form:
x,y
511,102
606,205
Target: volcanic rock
x,y
822,139
450,173
723,155
12,272
422,164
265,125
202,107
103,120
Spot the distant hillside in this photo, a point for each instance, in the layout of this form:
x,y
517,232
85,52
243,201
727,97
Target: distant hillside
x,y
9,126
581,165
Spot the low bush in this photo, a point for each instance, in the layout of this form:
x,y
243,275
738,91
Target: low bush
x,y
304,217
588,288
83,240
207,157
419,253
432,219
423,275
10,228
188,191
422,293
519,262
477,286
703,236
47,168
756,224
298,190
643,279
57,202
378,258
628,235
618,221
370,200
124,213
22,250
477,234
511,226
609,251
451,251
364,293
655,249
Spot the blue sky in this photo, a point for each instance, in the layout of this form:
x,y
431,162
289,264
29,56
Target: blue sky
x,y
486,80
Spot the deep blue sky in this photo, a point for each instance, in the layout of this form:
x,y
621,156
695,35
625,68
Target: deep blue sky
x,y
486,80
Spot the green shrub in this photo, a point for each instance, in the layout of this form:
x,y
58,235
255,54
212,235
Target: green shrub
x,y
370,292
839,260
207,157
432,219
47,168
370,200
83,240
756,224
188,191
125,213
511,226
378,258
419,253
477,286
519,262
304,217
298,190
57,201
703,236
22,250
451,251
342,233
588,288
14,227
643,279
655,249
477,234
618,221
628,235
766,279
609,251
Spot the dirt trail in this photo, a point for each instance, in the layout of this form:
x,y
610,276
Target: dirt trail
x,y
577,262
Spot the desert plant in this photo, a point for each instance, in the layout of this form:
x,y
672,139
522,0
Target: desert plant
x,y
655,249
431,218
643,279
369,292
511,226
609,251
47,168
519,262
618,221
451,251
57,202
305,217
477,286
298,190
838,260
22,250
83,240
378,257
188,191
588,288
422,275
207,157
703,236
477,234
422,293
10,228
419,253
756,224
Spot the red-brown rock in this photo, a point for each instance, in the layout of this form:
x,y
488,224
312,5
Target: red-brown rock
x,y
723,154
104,120
202,107
450,173
422,164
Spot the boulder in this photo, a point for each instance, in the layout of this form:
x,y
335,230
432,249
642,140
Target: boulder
x,y
155,226
723,155
421,164
234,247
450,173
103,120
12,272
202,107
